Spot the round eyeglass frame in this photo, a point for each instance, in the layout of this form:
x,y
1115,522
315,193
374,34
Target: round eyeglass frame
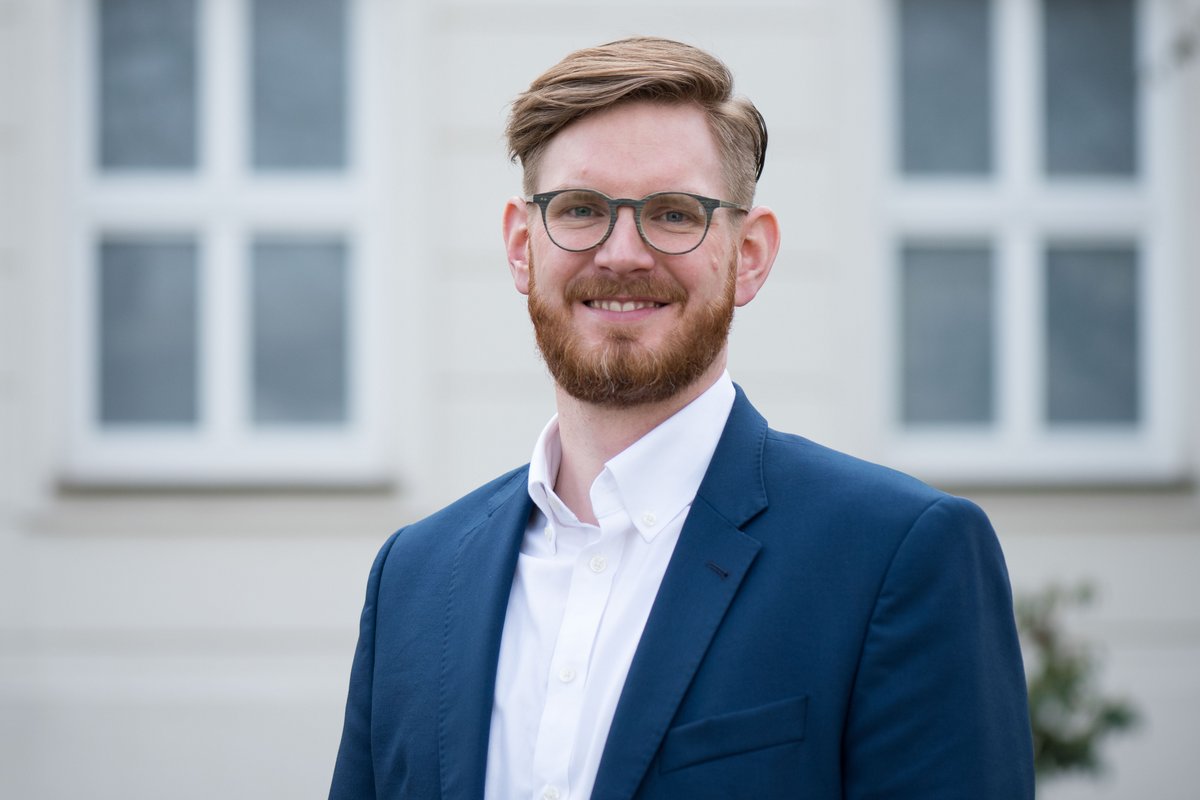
x,y
710,204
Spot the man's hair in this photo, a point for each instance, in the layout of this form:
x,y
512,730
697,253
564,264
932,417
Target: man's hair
x,y
640,68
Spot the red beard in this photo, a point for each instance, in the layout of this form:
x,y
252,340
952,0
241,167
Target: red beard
x,y
621,372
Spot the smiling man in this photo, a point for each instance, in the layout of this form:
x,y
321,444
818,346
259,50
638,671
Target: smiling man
x,y
672,600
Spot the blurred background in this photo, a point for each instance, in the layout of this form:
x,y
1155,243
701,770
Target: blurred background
x,y
255,315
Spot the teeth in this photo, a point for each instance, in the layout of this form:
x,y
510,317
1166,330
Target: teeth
x,y
626,305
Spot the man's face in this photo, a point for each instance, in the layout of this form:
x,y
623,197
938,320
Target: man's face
x,y
623,324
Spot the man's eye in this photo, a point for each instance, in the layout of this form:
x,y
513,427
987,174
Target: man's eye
x,y
578,208
676,217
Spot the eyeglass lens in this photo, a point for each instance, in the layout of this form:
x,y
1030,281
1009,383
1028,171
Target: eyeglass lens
x,y
580,219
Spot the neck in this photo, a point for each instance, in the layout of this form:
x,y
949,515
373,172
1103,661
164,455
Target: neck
x,y
590,435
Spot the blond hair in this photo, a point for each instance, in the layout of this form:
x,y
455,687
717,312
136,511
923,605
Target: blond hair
x,y
640,68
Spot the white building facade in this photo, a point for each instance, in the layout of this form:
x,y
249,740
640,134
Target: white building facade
x,y
255,315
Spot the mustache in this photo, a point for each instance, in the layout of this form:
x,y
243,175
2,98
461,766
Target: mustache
x,y
592,287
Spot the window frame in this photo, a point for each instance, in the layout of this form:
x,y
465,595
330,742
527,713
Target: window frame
x,y
1020,211
226,205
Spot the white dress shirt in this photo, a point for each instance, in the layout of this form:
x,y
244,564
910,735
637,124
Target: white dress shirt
x,y
580,599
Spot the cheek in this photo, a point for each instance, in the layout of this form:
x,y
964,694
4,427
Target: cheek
x,y
549,272
553,263
719,271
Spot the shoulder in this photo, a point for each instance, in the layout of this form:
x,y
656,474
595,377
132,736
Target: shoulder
x,y
439,532
800,465
477,504
799,483
861,504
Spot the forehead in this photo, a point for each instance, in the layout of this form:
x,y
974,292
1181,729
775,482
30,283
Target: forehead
x,y
634,149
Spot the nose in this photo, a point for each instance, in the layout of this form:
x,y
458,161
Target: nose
x,y
624,250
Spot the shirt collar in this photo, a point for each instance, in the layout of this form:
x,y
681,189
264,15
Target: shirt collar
x,y
657,476
543,468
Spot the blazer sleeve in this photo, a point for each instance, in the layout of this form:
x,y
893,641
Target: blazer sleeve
x,y
939,706
354,773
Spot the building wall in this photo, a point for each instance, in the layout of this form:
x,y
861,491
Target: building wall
x,y
195,643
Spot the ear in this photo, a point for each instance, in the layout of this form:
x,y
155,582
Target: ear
x,y
756,253
516,241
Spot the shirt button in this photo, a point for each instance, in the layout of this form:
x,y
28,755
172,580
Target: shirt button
x,y
597,564
551,793
566,675
649,520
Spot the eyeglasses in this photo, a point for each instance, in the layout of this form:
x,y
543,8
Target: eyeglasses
x,y
673,223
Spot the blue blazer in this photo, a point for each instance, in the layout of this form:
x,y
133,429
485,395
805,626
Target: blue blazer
x,y
826,628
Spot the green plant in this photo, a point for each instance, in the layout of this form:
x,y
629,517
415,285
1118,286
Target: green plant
x,y
1070,715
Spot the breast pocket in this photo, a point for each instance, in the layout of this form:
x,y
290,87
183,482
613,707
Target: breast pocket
x,y
737,732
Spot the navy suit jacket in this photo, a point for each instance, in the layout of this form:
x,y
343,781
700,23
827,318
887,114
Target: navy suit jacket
x,y
826,628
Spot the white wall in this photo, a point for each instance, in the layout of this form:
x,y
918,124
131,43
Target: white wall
x,y
197,644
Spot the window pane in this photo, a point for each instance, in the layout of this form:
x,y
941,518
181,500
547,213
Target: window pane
x,y
1091,87
300,86
147,77
148,340
1092,334
945,87
948,337
299,327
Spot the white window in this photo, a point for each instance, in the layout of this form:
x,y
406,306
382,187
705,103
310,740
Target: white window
x,y
1034,283
225,258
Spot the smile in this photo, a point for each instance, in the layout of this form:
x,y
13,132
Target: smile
x,y
622,305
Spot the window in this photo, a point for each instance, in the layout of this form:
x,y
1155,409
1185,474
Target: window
x,y
1031,266
226,257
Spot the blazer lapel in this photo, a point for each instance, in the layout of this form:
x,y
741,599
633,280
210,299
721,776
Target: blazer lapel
x,y
477,599
704,576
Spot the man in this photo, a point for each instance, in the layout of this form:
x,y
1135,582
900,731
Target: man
x,y
673,600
